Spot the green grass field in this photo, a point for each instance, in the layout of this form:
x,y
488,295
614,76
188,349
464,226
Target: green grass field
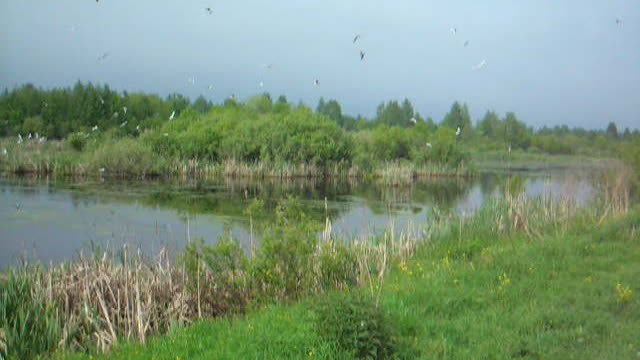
x,y
563,293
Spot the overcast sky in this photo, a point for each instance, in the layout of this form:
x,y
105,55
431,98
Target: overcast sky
x,y
549,61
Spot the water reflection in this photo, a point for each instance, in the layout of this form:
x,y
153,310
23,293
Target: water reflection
x,y
59,217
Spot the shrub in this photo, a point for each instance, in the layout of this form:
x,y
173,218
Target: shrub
x,y
77,141
354,324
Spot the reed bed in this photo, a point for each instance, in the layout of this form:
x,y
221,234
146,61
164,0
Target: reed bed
x,y
130,158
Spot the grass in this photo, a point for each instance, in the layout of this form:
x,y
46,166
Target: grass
x,y
565,289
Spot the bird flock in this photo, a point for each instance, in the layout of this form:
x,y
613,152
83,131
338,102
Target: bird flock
x,y
355,40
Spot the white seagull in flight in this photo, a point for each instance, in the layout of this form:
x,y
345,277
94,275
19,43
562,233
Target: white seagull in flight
x,y
480,65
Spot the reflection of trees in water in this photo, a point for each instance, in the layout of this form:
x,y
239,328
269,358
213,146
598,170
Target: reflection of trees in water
x,y
441,193
489,182
229,198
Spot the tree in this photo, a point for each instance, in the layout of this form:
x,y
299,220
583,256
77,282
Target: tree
x,y
612,130
515,132
201,105
489,125
458,117
331,109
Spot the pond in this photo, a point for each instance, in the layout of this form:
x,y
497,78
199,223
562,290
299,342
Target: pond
x,y
52,220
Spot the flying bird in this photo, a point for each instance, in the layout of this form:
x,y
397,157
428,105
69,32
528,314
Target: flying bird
x,y
355,38
209,10
361,55
453,30
618,21
466,43
210,87
479,66
261,84
316,82
103,56
172,115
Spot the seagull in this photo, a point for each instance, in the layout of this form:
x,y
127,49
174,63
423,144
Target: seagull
x,y
361,55
103,56
429,145
453,31
124,124
124,108
209,10
172,115
355,38
316,82
413,120
458,131
95,128
479,66
466,43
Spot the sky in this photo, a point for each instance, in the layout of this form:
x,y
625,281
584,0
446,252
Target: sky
x,y
551,62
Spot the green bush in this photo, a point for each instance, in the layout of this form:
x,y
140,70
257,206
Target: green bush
x,y
218,272
283,266
444,149
77,141
354,324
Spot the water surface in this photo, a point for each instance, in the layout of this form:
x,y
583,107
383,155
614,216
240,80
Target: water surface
x,y
52,220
